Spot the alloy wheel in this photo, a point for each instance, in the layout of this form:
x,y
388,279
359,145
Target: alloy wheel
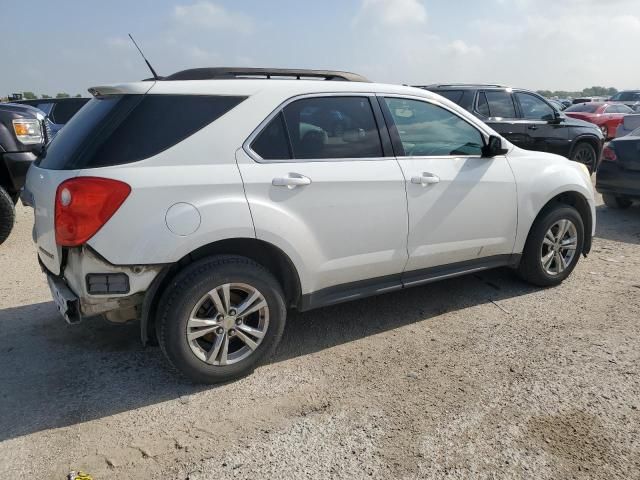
x,y
587,156
559,247
227,324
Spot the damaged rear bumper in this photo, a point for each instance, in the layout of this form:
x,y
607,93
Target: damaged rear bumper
x,y
90,286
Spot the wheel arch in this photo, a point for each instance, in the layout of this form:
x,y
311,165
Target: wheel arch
x,y
578,201
591,140
264,253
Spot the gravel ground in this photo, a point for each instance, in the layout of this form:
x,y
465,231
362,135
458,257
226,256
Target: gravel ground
x,y
478,377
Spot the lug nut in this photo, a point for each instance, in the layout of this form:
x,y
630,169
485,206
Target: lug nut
x,y
232,333
238,321
220,331
232,311
219,317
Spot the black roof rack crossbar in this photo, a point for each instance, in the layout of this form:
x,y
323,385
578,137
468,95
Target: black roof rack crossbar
x,y
225,73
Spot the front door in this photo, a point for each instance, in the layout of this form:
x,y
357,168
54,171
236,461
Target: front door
x,y
462,207
543,132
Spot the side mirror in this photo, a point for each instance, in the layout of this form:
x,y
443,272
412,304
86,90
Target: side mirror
x,y
494,147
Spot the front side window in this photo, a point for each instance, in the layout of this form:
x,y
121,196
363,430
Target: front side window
x,y
428,130
534,108
496,104
332,127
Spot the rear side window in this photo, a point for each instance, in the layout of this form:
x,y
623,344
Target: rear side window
x,y
115,130
496,104
332,127
454,95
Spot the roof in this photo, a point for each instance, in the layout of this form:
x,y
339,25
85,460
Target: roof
x,y
232,73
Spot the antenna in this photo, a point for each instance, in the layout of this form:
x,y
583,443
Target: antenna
x,y
153,72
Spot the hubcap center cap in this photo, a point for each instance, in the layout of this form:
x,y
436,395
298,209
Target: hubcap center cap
x,y
229,321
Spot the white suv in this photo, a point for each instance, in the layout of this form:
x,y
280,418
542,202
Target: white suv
x,y
210,202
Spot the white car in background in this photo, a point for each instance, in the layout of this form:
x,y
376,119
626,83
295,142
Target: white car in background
x,y
209,203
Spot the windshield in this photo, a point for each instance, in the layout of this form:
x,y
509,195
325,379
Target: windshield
x,y
583,107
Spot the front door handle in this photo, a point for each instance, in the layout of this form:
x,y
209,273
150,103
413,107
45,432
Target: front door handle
x,y
291,181
425,179
533,127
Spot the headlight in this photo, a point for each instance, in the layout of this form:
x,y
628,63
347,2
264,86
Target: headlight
x,y
28,131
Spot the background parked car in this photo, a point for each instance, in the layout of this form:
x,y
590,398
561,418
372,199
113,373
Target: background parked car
x,y
618,178
628,125
606,116
23,133
630,98
588,99
528,120
58,110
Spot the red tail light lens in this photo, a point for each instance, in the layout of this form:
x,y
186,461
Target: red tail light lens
x,y
609,154
84,205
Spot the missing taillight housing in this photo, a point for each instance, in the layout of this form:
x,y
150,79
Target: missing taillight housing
x,y
609,154
84,205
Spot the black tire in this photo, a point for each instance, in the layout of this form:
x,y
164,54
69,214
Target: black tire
x,y
7,215
586,154
187,289
530,268
619,203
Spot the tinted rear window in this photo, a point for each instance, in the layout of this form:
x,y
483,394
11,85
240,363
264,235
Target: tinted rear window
x,y
273,142
115,130
584,108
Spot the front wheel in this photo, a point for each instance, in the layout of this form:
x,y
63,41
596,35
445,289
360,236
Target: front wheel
x,y
220,318
553,246
7,215
586,154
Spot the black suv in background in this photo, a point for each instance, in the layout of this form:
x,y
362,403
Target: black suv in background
x,y
528,120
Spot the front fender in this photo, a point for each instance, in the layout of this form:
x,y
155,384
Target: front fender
x,y
541,178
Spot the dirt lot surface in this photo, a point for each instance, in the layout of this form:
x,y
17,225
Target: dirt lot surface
x,y
478,377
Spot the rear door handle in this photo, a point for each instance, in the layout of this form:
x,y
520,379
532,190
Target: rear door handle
x,y
291,181
425,179
533,127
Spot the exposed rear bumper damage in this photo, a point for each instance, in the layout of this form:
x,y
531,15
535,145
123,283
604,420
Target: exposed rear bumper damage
x,y
83,267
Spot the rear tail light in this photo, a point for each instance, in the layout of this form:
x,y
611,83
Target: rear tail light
x,y
84,205
609,154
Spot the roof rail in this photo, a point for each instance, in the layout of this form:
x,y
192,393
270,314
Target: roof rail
x,y
446,85
226,73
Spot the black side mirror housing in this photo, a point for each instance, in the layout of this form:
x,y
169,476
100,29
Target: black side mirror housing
x,y
493,148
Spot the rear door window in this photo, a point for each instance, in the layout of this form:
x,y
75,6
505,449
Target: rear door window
x,y
115,130
496,104
332,127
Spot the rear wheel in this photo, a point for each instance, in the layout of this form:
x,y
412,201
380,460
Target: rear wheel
x,y
613,201
220,318
586,154
553,246
7,214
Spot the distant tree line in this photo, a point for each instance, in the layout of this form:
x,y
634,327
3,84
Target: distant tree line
x,y
587,92
33,96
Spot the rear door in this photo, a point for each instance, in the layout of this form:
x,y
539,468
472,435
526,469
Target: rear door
x,y
317,179
543,132
462,207
498,110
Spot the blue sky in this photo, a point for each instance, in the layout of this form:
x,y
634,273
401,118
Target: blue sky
x,y
556,44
